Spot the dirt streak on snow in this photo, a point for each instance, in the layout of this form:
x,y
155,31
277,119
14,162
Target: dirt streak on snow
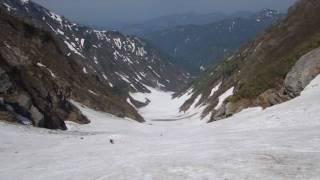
x,y
279,143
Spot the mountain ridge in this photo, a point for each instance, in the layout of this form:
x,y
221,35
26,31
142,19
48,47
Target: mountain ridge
x,y
104,67
198,46
170,21
82,42
256,74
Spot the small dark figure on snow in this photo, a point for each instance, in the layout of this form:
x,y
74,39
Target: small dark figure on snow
x,y
111,141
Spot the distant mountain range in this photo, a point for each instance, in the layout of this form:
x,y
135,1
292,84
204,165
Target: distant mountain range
x,y
197,46
170,21
174,20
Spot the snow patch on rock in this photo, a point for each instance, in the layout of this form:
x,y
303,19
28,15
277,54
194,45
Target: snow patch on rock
x,y
50,71
223,97
215,89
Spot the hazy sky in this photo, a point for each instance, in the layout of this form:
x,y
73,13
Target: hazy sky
x,y
101,12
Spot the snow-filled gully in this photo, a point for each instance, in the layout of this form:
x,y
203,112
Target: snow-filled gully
x,y
163,107
281,142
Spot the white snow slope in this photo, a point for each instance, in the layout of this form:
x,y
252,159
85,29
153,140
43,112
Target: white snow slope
x,y
164,108
279,143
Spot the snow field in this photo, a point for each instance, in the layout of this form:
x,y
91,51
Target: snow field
x,y
278,143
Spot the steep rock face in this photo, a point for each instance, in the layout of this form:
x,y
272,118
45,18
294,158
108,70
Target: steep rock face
x,y
37,80
124,63
305,70
27,94
257,72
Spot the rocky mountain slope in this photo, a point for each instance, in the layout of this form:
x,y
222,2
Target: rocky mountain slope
x,y
117,60
37,80
46,61
198,46
272,69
